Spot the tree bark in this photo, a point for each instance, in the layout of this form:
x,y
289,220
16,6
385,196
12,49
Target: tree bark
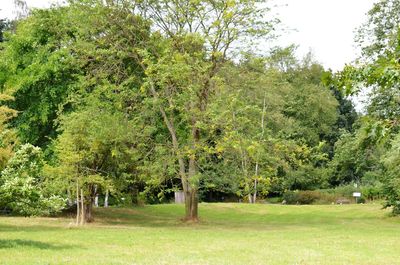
x,y
262,136
255,191
82,208
89,211
250,198
191,194
90,203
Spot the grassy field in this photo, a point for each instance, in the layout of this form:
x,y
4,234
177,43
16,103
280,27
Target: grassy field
x,y
227,234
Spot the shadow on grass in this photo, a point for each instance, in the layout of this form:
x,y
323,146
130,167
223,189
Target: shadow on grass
x,y
20,243
223,216
233,216
137,217
30,228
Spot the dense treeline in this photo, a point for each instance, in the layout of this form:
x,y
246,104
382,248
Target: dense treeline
x,y
139,99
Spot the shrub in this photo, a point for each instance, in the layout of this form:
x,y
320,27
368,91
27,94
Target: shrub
x,y
372,192
22,186
290,197
341,191
307,197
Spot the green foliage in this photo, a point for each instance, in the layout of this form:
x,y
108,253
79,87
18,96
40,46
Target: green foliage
x,y
345,191
7,135
144,98
346,165
22,185
391,186
94,149
307,197
313,123
372,192
38,70
380,33
378,69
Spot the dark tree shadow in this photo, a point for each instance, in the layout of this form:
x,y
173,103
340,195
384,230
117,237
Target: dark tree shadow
x,y
18,243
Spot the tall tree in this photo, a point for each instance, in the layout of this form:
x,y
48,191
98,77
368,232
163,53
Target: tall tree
x,y
37,69
198,37
378,69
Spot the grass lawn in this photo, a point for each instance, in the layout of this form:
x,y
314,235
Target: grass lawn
x,y
227,234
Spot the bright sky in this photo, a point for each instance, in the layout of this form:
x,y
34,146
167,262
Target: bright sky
x,y
326,27
7,8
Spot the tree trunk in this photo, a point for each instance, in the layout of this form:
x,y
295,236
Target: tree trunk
x,y
191,193
255,191
191,205
69,198
82,208
96,198
262,135
89,211
250,198
78,212
191,196
88,202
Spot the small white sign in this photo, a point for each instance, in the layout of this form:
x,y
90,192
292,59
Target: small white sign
x,y
356,194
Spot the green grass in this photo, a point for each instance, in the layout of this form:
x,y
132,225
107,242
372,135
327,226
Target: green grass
x,y
226,234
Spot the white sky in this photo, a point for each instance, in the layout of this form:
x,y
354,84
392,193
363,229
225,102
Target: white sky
x,y
326,27
7,8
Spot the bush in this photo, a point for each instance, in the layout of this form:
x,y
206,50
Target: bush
x,y
290,197
361,200
372,192
273,200
307,197
22,185
328,196
341,191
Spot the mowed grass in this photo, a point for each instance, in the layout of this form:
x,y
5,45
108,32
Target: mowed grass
x,y
226,234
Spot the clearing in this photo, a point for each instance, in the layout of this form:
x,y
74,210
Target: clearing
x,y
226,234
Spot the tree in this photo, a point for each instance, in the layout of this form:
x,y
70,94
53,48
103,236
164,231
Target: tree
x,y
378,69
37,69
379,34
247,113
98,151
147,97
196,38
391,188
